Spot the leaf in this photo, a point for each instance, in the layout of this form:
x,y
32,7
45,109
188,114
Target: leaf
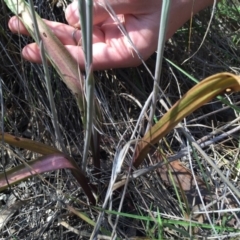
x,y
45,164
183,179
53,160
28,144
200,94
41,165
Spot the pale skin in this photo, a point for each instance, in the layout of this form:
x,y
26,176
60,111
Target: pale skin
x,y
110,47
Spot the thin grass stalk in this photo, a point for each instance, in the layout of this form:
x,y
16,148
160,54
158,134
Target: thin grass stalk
x,y
213,165
54,118
158,68
170,223
83,19
182,195
89,38
190,141
91,135
3,162
206,32
47,77
86,19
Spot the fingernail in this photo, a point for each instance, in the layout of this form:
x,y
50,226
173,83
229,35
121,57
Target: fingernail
x,y
13,24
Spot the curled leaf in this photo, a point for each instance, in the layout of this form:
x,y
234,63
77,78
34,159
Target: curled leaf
x,y
200,94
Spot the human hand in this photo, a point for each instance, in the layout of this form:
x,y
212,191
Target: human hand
x,y
110,48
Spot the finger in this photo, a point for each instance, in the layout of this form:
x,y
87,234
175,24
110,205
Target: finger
x,y
16,26
72,14
104,56
68,35
99,12
31,53
111,49
63,31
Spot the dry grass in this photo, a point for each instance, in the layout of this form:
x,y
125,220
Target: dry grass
x,y
40,206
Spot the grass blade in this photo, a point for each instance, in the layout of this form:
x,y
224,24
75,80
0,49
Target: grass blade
x,y
161,42
28,144
86,19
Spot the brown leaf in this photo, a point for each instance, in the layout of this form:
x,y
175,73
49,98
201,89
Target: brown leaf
x,y
183,179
